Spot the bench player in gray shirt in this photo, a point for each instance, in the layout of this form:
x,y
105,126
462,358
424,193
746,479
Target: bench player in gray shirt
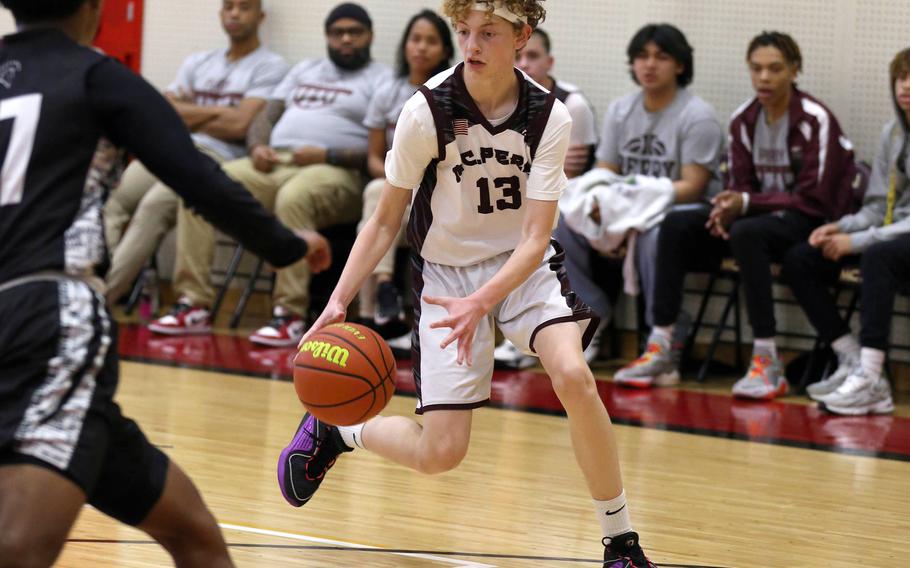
x,y
537,62
308,151
216,93
880,233
661,130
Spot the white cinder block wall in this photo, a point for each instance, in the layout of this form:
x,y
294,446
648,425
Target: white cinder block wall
x,y
846,45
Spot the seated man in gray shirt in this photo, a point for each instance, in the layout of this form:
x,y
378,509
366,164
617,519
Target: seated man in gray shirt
x,y
216,93
308,152
661,130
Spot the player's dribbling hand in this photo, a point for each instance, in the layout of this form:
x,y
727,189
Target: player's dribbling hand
x,y
821,235
319,252
334,312
265,158
464,315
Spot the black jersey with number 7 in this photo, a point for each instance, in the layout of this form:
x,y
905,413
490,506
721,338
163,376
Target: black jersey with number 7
x,y
64,112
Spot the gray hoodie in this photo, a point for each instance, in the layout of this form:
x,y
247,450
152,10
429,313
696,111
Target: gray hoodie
x,y
866,227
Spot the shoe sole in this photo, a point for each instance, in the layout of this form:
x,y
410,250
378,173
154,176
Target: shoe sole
x,y
661,380
880,407
781,390
819,397
162,330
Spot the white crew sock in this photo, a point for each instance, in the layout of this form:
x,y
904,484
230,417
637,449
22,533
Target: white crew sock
x,y
352,435
872,361
613,516
845,345
768,346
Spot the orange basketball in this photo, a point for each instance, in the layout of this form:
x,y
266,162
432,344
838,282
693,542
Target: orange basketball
x,y
344,374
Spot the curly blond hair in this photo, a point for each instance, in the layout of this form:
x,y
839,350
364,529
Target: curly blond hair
x,y
532,10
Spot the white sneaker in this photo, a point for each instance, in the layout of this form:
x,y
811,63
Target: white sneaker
x,y
860,395
764,380
509,356
183,319
846,364
401,346
657,366
284,330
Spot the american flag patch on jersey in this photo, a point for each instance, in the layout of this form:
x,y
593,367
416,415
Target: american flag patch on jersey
x,y
460,127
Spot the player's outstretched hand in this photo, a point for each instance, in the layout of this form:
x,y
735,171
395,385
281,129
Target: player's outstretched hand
x,y
319,252
464,315
334,312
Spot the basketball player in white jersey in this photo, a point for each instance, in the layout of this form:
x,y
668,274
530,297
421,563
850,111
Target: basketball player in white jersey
x,y
485,147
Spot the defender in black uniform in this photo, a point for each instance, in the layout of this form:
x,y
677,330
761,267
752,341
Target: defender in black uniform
x,y
64,111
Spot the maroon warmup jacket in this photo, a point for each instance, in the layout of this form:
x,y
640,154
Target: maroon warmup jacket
x,y
820,155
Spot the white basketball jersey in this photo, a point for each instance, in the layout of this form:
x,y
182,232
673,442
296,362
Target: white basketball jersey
x,y
474,178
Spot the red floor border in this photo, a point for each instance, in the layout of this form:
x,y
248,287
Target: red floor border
x,y
668,408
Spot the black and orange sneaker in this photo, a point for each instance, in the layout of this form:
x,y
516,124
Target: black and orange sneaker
x,y
305,461
623,551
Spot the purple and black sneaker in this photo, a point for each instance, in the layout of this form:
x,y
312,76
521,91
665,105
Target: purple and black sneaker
x,y
623,551
305,461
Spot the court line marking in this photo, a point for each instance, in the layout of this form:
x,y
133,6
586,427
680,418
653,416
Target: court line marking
x,y
344,544
401,551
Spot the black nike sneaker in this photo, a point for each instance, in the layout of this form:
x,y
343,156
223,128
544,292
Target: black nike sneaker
x,y
305,461
623,551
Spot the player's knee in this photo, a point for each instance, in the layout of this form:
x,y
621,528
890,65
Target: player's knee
x,y
572,380
441,457
196,534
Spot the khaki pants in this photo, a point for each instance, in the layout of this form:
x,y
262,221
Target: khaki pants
x,y
311,197
386,266
150,208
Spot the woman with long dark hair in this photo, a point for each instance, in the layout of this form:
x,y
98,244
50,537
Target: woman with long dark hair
x,y
425,49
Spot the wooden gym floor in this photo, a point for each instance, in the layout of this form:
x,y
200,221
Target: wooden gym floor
x,y
711,481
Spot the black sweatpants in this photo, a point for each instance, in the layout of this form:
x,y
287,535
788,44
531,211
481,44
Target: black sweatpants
x,y
884,267
685,245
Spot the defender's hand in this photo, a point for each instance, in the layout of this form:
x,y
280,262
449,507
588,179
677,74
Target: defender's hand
x,y
319,252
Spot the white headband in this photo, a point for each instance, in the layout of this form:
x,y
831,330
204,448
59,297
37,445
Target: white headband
x,y
499,10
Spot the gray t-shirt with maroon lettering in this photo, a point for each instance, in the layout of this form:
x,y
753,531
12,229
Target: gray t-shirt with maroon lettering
x,y
325,105
210,79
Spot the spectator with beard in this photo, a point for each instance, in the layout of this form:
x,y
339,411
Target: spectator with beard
x,y
308,152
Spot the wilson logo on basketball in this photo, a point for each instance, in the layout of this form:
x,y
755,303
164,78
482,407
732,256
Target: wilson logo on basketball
x,y
331,353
